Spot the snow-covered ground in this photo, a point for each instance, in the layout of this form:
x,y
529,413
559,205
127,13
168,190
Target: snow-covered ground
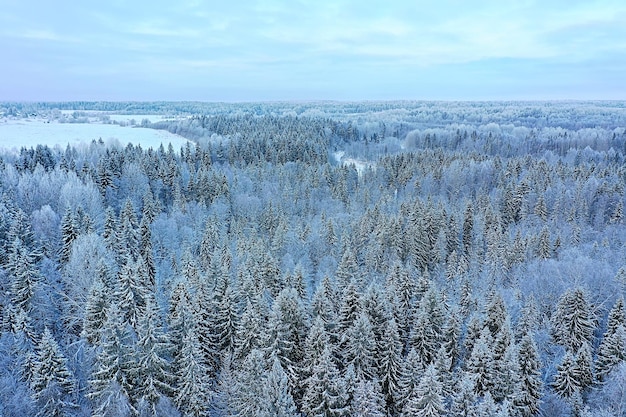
x,y
15,133
359,164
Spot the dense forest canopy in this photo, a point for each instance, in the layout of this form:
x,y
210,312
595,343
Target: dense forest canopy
x,y
319,259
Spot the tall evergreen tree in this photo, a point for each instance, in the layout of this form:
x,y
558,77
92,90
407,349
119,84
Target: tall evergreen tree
x,y
573,322
426,399
152,376
52,383
529,393
276,400
325,394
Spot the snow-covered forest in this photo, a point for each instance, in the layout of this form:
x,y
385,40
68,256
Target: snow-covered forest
x,y
319,259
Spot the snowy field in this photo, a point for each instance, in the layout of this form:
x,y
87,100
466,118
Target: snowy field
x,y
15,133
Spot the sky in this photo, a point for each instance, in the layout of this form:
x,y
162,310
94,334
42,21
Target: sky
x,y
270,50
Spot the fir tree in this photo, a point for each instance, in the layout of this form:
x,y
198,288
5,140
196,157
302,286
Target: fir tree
x,y
52,383
325,395
426,399
152,376
529,393
573,322
276,400
192,388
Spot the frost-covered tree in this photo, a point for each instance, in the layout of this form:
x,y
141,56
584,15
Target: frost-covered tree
x,y
110,383
528,395
325,394
360,347
426,399
52,383
152,375
192,385
573,322
390,367
368,400
276,399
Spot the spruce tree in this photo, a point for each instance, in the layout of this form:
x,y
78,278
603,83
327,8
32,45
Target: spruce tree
x,y
52,382
612,352
152,376
573,322
426,400
276,400
325,394
391,365
529,393
368,400
192,387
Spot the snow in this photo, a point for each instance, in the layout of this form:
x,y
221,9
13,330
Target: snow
x,y
15,133
359,164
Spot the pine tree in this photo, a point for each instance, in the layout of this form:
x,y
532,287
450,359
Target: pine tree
x,y
52,383
192,388
529,394
566,381
276,400
152,375
426,400
573,322
325,394
391,365
368,400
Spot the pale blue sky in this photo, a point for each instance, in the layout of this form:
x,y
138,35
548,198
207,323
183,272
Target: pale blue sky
x,y
239,50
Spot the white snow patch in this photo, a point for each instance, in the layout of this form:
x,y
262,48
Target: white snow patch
x,y
359,164
15,133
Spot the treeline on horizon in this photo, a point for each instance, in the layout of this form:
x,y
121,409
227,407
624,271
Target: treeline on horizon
x,y
320,259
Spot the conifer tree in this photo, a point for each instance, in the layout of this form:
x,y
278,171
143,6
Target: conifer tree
x,y
464,398
480,363
111,384
529,393
412,369
360,348
391,365
95,312
325,394
152,375
52,383
276,400
573,322
69,233
23,275
192,388
566,381
426,399
612,351
368,400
